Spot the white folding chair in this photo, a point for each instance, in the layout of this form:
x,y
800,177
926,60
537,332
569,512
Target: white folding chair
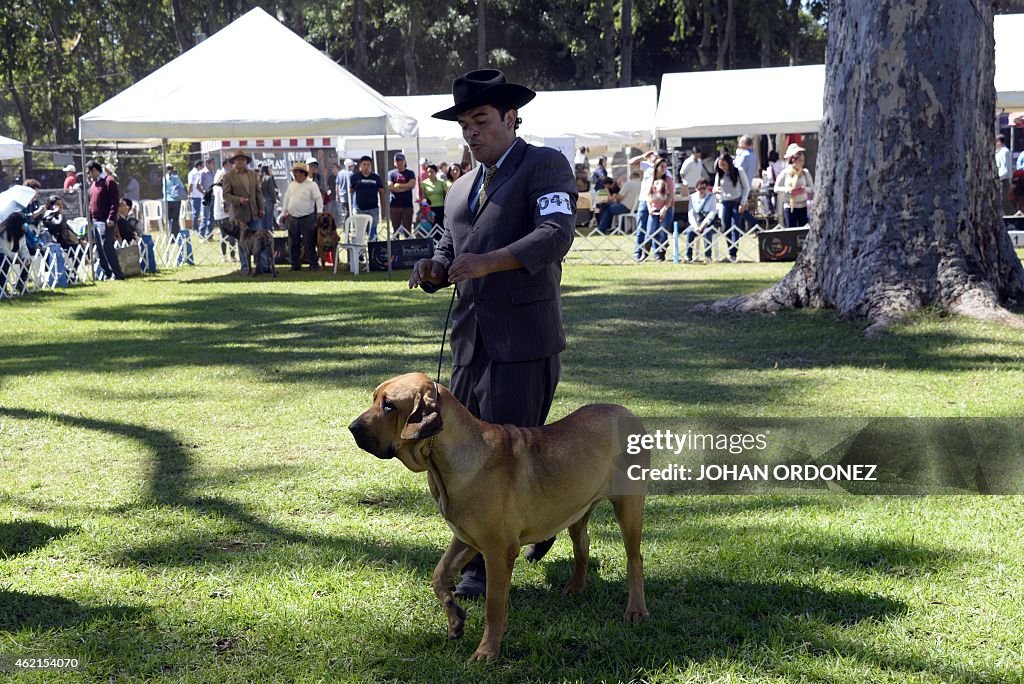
x,y
152,210
356,227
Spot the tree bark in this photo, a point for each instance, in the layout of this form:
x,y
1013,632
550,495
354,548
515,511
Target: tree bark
x,y
908,210
626,44
481,35
608,79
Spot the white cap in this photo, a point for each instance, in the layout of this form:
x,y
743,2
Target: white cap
x,y
70,168
313,160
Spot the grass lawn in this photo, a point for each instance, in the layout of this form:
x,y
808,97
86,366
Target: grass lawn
x,y
180,499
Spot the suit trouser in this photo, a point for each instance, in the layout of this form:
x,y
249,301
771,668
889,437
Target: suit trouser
x,y
505,393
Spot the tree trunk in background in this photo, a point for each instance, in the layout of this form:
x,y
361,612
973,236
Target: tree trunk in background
x,y
794,33
766,45
608,75
626,44
725,43
704,50
481,35
908,210
359,49
409,50
182,33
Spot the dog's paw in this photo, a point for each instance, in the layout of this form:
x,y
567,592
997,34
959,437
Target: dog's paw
x,y
573,587
634,616
483,655
456,619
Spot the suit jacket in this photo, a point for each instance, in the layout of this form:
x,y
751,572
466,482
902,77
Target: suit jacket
x,y
530,208
234,187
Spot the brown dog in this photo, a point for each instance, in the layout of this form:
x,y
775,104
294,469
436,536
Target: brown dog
x,y
256,242
500,487
327,237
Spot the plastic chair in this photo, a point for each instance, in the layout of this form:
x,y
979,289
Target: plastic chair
x,y
152,210
356,227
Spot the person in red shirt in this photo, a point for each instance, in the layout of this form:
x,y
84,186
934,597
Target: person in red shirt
x,y
104,198
71,177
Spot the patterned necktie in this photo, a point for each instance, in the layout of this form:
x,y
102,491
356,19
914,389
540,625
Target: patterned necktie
x,y
482,197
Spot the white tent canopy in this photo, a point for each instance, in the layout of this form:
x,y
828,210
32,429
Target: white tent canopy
x,y
797,93
792,101
1009,35
216,91
9,149
613,116
610,116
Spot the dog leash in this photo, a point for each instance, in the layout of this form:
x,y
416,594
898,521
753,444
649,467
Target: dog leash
x,y
444,334
440,359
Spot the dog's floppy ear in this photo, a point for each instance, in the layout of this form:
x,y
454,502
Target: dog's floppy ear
x,y
425,419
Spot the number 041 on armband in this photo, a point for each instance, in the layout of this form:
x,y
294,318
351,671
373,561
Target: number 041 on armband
x,y
554,203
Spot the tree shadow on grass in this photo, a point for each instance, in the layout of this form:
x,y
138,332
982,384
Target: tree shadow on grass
x,y
22,536
37,611
171,483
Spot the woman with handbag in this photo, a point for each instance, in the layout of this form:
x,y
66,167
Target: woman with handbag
x,y
797,187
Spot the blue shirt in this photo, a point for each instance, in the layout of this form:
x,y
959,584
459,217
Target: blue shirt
x,y
174,189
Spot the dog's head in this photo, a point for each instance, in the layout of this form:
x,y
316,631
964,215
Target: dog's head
x,y
405,410
325,224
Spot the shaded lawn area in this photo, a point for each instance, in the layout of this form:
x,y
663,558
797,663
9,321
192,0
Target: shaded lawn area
x,y
180,499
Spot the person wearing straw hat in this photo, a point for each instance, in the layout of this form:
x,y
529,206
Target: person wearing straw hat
x,y
301,205
507,227
243,199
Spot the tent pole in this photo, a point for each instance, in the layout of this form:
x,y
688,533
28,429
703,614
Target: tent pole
x,y
85,212
387,204
163,185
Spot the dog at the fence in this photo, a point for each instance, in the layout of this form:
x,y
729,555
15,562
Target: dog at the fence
x,y
500,487
257,242
327,237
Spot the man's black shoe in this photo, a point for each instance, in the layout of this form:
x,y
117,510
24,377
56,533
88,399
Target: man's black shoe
x,y
534,552
471,586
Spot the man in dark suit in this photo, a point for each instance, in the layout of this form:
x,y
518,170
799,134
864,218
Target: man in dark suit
x,y
507,227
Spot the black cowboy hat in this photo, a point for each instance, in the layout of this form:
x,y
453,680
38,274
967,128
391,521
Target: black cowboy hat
x,y
484,86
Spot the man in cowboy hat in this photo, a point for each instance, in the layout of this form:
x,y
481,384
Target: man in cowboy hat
x,y
243,199
506,228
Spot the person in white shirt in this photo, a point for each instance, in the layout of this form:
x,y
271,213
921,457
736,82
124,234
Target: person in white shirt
x,y
703,216
302,203
796,187
1004,170
692,171
195,194
646,162
732,188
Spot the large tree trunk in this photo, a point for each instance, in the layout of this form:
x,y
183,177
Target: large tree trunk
x,y
626,44
608,79
907,211
180,22
481,35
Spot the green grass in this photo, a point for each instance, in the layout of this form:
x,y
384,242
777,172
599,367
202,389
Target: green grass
x,y
180,499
